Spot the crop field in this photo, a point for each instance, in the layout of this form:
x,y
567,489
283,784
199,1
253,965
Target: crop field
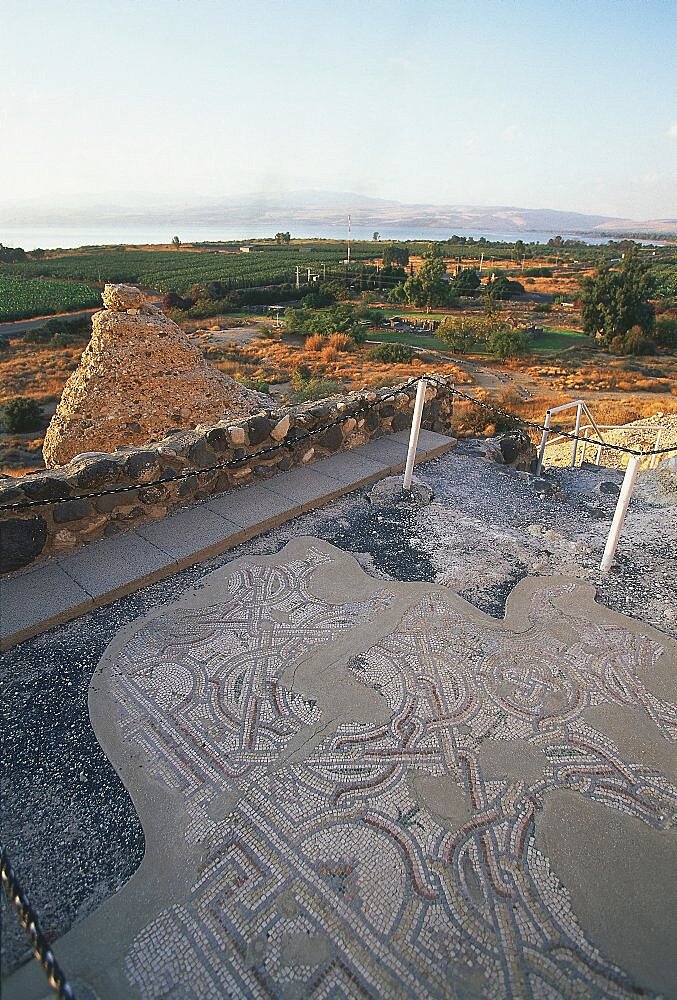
x,y
172,270
21,298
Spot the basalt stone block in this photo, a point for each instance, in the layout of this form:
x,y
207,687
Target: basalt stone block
x,y
140,463
219,439
401,421
201,454
259,429
387,410
21,541
71,510
46,488
187,486
332,439
103,472
371,420
107,504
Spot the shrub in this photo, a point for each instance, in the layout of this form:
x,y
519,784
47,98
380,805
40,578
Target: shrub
x,y
300,376
340,342
396,353
257,384
508,343
22,414
315,342
666,332
635,341
315,388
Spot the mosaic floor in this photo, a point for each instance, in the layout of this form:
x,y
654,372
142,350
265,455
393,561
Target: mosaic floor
x,y
360,788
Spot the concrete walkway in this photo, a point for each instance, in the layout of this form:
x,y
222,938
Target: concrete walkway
x,y
65,587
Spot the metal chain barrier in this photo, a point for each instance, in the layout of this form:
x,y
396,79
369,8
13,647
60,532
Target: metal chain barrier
x,y
29,922
236,462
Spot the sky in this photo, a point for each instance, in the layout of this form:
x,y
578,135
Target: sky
x,y
534,103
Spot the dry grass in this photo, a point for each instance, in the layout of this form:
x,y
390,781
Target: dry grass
x,y
315,342
38,371
340,342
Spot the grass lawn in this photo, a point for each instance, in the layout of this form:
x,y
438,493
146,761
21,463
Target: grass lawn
x,y
554,340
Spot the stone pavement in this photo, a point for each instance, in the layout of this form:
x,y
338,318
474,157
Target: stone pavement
x,y
67,586
353,787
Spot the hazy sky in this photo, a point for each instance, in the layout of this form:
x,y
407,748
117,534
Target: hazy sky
x,y
536,103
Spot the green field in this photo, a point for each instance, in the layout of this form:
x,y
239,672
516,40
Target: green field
x,y
554,340
172,270
21,299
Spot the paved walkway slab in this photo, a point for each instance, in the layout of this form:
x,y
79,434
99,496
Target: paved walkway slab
x,y
107,569
353,787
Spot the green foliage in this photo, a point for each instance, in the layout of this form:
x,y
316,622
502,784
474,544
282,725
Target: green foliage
x,y
428,288
256,384
505,342
537,272
465,333
395,254
615,300
666,332
21,415
395,353
11,255
504,288
283,238
60,332
313,388
466,282
21,299
176,241
635,341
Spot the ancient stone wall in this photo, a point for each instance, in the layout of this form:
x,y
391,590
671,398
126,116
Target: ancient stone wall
x,y
31,535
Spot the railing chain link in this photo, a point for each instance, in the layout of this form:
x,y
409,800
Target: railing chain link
x,y
29,921
245,459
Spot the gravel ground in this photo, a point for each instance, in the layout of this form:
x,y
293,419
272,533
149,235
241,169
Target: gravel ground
x,y
70,828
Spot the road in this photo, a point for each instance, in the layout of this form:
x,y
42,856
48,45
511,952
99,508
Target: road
x,y
19,326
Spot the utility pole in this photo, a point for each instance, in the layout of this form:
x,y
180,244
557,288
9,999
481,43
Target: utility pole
x,y
481,261
308,275
298,283
324,272
349,230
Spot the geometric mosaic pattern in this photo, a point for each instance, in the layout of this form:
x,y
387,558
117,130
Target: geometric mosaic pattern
x,y
387,858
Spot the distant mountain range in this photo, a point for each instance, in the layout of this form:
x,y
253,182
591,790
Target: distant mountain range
x,y
330,208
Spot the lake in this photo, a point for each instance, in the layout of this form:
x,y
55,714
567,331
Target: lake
x,y
66,237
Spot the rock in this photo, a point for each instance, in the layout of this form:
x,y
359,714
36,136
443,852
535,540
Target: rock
x,y
71,510
541,486
279,431
391,491
22,540
119,298
258,429
514,449
612,489
138,377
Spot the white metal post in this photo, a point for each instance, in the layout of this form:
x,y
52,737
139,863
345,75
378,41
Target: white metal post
x,y
619,514
415,428
544,441
584,444
577,428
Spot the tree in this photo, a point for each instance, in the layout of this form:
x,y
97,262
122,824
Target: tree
x,y
176,241
505,342
466,282
519,249
428,288
615,300
395,254
282,238
22,414
465,332
376,237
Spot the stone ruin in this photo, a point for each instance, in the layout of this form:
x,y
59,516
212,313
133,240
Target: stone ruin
x,y
139,377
